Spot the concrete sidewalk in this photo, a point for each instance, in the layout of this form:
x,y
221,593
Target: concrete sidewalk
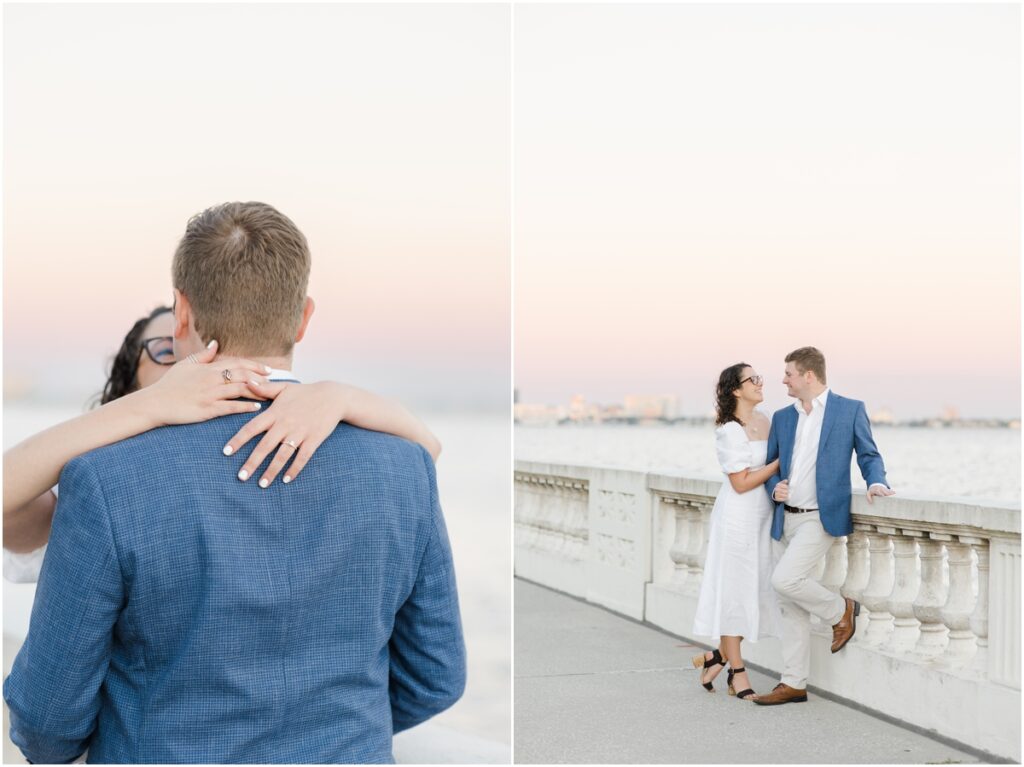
x,y
593,687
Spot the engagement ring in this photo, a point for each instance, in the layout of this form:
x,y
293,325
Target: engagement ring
x,y
226,374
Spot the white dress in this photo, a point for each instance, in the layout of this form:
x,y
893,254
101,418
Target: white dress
x,y
736,595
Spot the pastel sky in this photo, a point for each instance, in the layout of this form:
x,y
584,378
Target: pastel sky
x,y
697,185
382,131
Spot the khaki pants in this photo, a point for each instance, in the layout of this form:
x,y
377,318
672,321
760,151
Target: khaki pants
x,y
804,542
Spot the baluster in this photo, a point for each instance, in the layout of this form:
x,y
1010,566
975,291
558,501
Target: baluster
x,y
566,512
835,565
931,596
880,582
696,548
979,618
901,601
857,563
546,502
526,512
680,543
578,520
956,613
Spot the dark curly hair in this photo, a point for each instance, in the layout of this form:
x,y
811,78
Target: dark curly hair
x,y
124,368
725,402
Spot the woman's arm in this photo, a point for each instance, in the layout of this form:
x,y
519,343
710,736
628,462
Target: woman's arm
x,y
27,527
745,480
187,393
306,414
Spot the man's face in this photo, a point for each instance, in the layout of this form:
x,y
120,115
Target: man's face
x,y
796,382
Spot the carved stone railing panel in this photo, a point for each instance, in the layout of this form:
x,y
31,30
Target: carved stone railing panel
x,y
689,548
1004,617
551,513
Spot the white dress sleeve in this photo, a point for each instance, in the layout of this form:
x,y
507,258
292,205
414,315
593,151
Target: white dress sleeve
x,y
23,568
733,448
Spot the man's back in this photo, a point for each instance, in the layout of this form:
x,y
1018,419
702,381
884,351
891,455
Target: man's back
x,y
296,623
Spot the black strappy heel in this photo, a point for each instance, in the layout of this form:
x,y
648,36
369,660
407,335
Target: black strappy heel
x,y
732,690
700,662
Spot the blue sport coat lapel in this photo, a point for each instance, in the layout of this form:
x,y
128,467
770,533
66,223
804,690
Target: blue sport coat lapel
x,y
787,442
831,413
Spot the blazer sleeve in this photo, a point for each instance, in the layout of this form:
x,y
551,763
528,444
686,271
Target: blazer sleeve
x,y
773,453
872,469
53,690
427,650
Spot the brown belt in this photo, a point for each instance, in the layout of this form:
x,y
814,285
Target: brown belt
x,y
795,510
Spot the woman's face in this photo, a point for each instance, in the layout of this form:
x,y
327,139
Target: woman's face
x,y
748,389
150,372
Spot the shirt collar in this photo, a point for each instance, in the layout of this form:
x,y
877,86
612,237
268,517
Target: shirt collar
x,y
281,375
817,402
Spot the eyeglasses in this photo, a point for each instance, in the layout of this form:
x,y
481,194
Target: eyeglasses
x,y
160,349
756,380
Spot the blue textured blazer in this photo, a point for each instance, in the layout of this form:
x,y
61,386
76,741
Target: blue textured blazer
x,y
184,616
844,429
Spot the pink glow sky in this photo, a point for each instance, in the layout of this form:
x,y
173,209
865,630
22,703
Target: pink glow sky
x,y
698,185
382,131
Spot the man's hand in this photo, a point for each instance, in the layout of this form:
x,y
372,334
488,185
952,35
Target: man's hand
x,y
781,493
879,490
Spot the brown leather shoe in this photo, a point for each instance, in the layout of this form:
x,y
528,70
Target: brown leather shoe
x,y
782,693
842,632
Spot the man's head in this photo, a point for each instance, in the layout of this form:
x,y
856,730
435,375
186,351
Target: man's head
x,y
805,373
240,275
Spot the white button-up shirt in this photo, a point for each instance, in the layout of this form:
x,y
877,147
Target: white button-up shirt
x,y
278,375
803,485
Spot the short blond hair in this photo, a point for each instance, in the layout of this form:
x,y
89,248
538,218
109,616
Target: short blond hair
x,y
808,358
244,267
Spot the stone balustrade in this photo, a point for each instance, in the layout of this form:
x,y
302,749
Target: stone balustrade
x,y
938,639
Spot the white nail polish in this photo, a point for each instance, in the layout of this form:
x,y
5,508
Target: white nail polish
x,y
243,475
287,479
256,405
264,482
210,345
228,450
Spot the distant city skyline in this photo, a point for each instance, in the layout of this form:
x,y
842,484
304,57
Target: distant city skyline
x,y
700,184
691,402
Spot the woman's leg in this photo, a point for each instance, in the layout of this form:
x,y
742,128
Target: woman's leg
x,y
731,652
708,673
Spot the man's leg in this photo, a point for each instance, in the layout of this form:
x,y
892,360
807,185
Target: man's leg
x,y
800,595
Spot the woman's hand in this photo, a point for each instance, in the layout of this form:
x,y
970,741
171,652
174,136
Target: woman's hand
x,y
301,418
192,392
304,415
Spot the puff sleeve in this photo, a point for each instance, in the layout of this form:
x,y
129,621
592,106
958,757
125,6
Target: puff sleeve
x,y
733,448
